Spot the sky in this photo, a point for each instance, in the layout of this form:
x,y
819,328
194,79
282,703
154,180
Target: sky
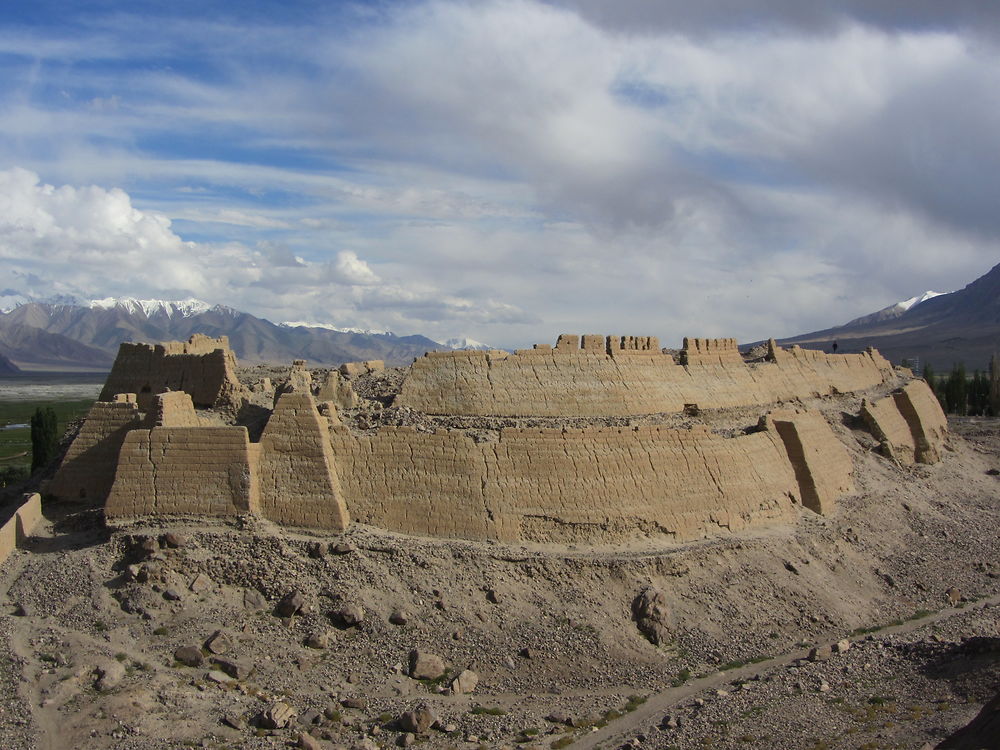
x,y
505,170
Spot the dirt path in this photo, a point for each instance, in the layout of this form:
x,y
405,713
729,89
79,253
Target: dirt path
x,y
619,731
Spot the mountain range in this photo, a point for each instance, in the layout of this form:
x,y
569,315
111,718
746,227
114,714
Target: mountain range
x,y
938,329
73,335
7,367
66,334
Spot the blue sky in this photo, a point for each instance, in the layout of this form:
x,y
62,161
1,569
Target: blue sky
x,y
505,170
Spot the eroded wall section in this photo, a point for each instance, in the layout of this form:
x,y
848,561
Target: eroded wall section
x,y
887,425
204,471
928,424
297,477
821,464
605,381
88,469
203,367
596,484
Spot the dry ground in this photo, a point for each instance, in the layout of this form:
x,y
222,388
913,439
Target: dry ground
x,y
548,630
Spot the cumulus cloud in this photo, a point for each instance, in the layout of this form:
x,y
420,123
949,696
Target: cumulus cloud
x,y
350,269
91,242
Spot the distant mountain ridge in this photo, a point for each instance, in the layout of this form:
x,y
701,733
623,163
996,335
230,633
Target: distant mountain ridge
x,y
892,311
938,329
87,334
467,344
7,367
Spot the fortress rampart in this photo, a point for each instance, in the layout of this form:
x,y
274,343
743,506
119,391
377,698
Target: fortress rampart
x,y
560,484
606,381
566,485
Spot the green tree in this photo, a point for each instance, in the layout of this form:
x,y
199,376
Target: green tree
x,y
932,383
995,386
979,394
12,475
44,437
957,390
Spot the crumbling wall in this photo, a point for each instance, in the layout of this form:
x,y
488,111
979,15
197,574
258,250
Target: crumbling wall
x,y
88,469
418,483
172,409
297,476
822,465
568,380
21,525
594,484
710,352
203,367
205,471
928,424
886,423
339,391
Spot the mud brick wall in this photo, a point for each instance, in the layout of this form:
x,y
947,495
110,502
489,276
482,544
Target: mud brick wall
x,y
88,469
887,424
184,470
418,483
595,484
172,409
203,367
570,381
928,424
297,477
710,351
20,525
822,465
616,483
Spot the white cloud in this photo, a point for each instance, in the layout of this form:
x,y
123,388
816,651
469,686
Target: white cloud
x,y
510,169
91,242
352,270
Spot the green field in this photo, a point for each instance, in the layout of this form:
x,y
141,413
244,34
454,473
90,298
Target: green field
x,y
15,444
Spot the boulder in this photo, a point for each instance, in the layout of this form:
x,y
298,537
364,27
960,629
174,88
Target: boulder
x,y
235,668
820,653
290,604
276,716
419,720
348,615
652,615
173,540
465,683
189,656
425,665
219,642
254,600
200,583
109,675
319,640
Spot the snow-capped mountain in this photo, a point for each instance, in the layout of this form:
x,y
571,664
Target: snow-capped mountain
x,y
893,311
61,334
906,304
185,308
938,329
466,343
338,329
12,298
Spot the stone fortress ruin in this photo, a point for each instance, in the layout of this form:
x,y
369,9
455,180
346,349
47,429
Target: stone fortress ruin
x,y
597,439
